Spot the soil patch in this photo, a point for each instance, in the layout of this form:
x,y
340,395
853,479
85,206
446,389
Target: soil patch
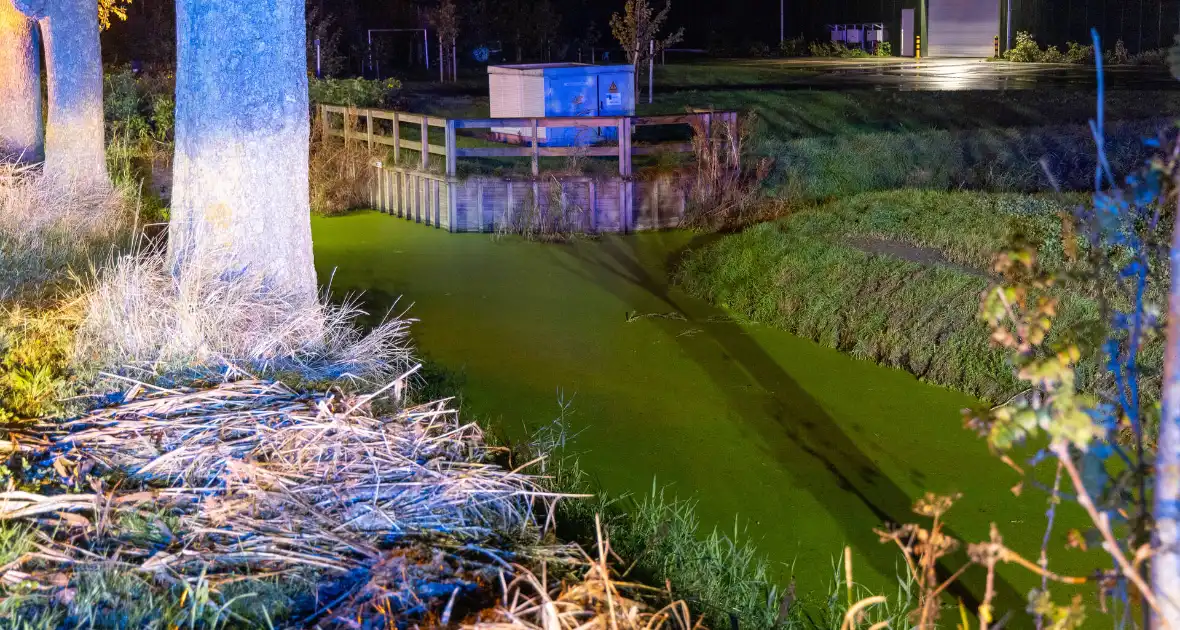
x,y
910,252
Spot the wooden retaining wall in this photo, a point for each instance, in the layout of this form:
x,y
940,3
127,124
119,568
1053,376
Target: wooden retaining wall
x,y
488,204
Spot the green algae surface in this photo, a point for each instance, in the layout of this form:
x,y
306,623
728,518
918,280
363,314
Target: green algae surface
x,y
808,448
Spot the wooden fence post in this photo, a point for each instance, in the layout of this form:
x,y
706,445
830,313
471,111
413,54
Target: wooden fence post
x,y
323,123
452,183
536,151
369,129
397,139
452,158
425,144
625,147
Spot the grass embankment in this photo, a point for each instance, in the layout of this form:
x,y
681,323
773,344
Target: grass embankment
x,y
891,277
839,143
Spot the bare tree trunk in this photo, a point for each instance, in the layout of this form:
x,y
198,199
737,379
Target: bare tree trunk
x,y
74,146
1165,566
22,135
240,196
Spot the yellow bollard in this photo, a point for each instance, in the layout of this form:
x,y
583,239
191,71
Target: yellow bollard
x,y
996,53
918,47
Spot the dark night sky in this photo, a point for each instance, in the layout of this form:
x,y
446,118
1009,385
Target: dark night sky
x,y
730,26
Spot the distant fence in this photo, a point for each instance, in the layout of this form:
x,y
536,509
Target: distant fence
x,y
481,203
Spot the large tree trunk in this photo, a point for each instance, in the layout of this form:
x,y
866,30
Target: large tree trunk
x,y
21,133
1165,566
74,148
240,188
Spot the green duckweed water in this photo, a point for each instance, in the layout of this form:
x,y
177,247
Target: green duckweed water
x,y
809,448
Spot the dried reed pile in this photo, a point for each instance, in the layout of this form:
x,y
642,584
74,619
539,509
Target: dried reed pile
x,y
264,480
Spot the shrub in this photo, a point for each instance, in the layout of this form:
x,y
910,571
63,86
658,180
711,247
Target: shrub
x,y
1120,55
835,49
35,351
759,49
884,49
358,92
1026,49
793,47
1077,53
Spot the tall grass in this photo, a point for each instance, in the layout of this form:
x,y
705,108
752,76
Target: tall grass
x,y
139,314
47,227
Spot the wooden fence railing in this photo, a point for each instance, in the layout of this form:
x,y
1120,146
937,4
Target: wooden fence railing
x,y
624,149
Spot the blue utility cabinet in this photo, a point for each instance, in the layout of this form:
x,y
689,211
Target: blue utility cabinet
x,y
560,89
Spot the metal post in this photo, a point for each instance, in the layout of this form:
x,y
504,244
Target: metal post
x,y
454,61
782,21
370,33
1009,20
317,59
441,66
651,69
426,48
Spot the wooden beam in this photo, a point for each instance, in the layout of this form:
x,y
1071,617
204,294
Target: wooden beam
x,y
451,157
536,154
423,147
397,138
599,151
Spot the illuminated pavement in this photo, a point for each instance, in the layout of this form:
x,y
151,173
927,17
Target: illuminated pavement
x,y
946,74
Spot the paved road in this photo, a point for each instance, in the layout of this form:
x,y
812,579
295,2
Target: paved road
x,y
947,74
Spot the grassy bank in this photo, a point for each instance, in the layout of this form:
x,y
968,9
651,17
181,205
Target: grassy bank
x,y
891,277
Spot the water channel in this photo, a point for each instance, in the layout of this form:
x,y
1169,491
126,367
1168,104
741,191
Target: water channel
x,y
808,448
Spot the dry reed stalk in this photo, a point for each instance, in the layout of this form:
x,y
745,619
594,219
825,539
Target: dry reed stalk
x,y
723,190
598,601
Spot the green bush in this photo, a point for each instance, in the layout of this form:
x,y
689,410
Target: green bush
x,y
35,352
135,110
358,92
835,49
793,47
1077,53
885,49
1026,49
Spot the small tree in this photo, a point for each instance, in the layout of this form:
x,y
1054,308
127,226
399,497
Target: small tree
x,y
322,26
446,23
638,28
21,132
